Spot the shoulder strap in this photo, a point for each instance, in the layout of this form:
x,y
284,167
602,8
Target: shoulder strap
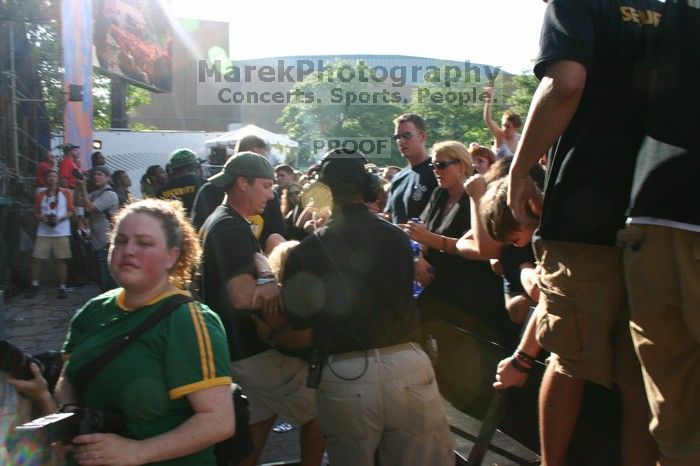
x,y
91,369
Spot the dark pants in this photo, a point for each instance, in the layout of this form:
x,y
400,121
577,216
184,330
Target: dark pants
x,y
106,281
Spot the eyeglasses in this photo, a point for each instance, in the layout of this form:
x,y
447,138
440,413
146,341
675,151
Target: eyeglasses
x,y
404,135
442,164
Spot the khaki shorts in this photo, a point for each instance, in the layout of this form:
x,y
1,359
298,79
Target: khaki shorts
x,y
387,405
662,271
60,245
585,317
275,384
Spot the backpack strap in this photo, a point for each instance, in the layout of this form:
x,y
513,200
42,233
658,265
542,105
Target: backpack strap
x,y
91,369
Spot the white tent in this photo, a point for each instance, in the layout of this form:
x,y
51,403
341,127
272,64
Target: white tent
x,y
230,138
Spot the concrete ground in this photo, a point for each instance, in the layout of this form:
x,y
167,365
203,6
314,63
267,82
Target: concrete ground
x,y
40,323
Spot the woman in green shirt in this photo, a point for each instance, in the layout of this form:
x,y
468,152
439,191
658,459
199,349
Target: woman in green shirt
x,y
172,383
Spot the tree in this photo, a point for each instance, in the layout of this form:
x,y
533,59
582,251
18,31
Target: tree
x,y
323,109
453,112
456,113
525,86
44,37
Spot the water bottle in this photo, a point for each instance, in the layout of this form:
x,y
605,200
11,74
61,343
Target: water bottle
x,y
417,287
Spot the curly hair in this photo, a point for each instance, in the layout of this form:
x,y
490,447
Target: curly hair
x,y
179,233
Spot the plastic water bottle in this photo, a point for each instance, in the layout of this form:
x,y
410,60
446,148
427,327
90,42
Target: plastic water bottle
x,y
417,287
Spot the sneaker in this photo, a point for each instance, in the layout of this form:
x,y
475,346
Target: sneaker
x,y
62,293
32,291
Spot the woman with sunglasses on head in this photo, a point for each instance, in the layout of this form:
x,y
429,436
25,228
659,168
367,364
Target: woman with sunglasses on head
x,y
172,383
463,279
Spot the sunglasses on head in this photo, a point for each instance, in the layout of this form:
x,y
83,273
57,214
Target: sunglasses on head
x,y
443,164
404,135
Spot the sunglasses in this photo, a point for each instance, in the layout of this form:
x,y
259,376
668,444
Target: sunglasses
x,y
442,164
404,135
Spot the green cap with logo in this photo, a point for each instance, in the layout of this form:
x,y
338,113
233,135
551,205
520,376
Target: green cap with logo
x,y
247,164
182,158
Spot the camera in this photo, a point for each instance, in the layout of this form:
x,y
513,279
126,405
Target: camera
x,y
51,220
64,427
16,362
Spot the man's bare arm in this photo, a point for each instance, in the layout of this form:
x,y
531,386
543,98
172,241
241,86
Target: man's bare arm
x,y
553,105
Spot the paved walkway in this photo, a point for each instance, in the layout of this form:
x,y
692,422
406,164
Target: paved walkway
x,y
40,323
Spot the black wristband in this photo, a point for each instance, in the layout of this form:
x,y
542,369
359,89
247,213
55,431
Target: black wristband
x,y
525,357
520,367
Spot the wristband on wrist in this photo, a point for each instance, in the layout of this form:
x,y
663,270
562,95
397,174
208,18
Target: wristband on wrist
x,y
525,357
519,367
265,281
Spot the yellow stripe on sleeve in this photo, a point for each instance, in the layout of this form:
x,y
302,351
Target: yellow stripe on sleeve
x,y
207,344
179,392
200,341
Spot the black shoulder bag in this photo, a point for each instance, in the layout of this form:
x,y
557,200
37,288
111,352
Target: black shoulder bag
x,y
232,449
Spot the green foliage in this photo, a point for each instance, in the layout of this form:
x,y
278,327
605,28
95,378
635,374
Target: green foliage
x,y
525,86
47,53
451,113
304,121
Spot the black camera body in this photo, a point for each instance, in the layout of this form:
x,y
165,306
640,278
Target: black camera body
x,y
64,427
16,362
51,220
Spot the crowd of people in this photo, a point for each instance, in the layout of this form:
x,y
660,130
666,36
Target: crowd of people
x,y
306,284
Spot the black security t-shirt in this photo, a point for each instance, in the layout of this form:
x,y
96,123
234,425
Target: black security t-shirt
x,y
208,198
229,246
469,284
410,191
184,188
352,282
590,174
665,183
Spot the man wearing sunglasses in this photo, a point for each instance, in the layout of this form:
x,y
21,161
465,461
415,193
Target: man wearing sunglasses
x,y
412,186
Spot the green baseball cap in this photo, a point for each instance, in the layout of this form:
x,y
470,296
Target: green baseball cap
x,y
182,158
248,164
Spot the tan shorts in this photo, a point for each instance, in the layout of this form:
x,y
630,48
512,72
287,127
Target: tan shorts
x,y
585,318
662,271
275,384
60,245
385,404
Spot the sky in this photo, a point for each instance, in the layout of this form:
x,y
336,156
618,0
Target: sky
x,y
501,33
